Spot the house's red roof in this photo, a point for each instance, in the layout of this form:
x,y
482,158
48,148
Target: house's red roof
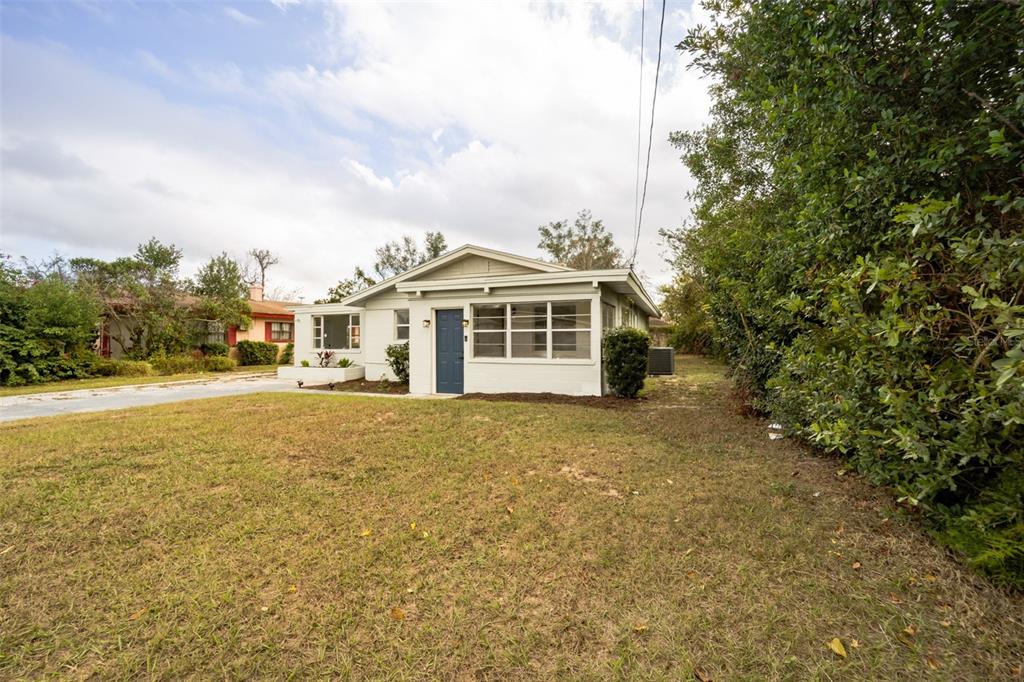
x,y
261,308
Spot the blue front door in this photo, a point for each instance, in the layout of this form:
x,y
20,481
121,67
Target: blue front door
x,y
449,351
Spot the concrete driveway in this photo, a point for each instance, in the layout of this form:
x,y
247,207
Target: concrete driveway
x,y
99,399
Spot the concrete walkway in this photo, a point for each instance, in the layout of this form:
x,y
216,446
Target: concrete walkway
x,y
119,397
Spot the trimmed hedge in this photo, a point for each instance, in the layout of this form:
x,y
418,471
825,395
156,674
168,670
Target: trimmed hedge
x,y
256,353
625,360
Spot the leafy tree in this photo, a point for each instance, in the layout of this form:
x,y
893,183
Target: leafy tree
x,y
858,229
220,286
683,305
346,287
263,260
393,258
47,326
583,245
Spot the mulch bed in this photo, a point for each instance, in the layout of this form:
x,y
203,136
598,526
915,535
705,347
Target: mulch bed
x,y
363,386
608,402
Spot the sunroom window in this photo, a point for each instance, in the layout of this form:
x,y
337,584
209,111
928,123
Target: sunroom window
x,y
542,330
336,332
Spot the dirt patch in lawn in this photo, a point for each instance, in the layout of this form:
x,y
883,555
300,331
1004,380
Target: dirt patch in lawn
x,y
605,401
363,386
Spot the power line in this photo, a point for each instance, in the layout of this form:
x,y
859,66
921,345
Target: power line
x,y
639,113
650,139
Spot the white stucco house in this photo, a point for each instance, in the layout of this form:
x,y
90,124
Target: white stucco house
x,y
476,321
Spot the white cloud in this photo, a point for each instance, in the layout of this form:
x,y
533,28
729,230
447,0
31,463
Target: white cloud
x,y
482,121
241,17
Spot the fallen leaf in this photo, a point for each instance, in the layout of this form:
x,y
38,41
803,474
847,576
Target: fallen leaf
x,y
137,614
293,588
509,509
397,614
910,630
930,578
426,535
837,647
412,526
932,663
264,609
856,565
701,674
895,598
641,628
366,533
854,644
945,623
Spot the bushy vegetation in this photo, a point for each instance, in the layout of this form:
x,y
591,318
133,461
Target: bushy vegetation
x,y
215,348
287,355
625,360
218,363
47,327
182,363
683,305
398,361
122,368
256,353
858,233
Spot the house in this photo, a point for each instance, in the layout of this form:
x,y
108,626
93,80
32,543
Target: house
x,y
476,320
271,321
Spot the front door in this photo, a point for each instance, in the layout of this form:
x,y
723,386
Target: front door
x,y
449,346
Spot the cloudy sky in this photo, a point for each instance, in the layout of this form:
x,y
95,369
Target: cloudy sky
x,y
319,131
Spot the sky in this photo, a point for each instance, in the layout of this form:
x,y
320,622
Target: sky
x,y
320,131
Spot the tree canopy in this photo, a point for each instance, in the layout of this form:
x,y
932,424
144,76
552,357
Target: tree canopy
x,y
393,258
584,244
858,233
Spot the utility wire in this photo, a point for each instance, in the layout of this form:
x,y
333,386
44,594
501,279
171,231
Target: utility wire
x,y
650,139
639,113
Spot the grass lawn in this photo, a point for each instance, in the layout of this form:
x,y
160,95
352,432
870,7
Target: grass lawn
x,y
109,382
330,536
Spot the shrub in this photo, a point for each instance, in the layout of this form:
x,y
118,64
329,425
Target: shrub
x,y
256,353
398,360
287,355
625,360
215,348
325,357
304,363
176,364
218,363
344,362
123,368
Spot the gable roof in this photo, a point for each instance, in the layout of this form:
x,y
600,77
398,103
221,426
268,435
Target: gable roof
x,y
449,257
268,307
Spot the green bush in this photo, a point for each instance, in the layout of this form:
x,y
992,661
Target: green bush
x,y
256,353
866,286
218,363
344,362
305,363
398,361
287,355
176,364
215,348
122,368
625,360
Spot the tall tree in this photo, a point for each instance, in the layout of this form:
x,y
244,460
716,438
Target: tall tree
x,y
584,245
262,260
393,258
221,289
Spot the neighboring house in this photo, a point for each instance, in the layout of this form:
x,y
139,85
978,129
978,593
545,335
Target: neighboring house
x,y
479,320
271,321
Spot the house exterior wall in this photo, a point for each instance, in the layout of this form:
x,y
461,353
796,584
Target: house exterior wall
x,y
304,349
257,331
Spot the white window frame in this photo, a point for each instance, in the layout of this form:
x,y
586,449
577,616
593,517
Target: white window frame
x,y
353,332
399,325
549,329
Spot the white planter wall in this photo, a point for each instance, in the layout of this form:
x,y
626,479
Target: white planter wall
x,y
321,375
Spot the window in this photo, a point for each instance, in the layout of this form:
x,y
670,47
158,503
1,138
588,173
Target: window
x,y
489,331
216,332
336,332
545,330
607,316
281,331
402,325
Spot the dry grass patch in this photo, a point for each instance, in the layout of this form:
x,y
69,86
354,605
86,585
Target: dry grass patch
x,y
333,536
